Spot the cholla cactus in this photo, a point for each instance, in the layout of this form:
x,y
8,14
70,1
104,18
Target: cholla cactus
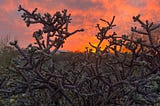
x,y
55,27
108,76
34,67
129,77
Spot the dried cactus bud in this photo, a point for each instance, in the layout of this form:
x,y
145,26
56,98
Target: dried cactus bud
x,y
135,18
31,49
19,8
14,42
82,30
38,35
28,22
47,15
58,14
64,11
104,29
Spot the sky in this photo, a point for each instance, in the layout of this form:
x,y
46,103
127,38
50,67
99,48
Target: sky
x,y
85,14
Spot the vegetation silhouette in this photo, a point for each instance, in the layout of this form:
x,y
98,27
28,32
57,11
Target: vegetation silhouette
x,y
110,76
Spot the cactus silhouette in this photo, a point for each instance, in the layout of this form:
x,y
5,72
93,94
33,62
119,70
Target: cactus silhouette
x,y
123,73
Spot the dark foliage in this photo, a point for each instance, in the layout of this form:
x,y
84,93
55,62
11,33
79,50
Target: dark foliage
x,y
108,76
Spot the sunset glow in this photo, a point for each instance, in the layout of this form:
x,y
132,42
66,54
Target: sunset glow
x,y
85,14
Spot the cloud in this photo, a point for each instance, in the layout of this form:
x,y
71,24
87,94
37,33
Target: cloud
x,y
82,4
85,14
139,4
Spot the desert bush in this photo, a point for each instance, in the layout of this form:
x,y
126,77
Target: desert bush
x,y
33,65
6,54
108,76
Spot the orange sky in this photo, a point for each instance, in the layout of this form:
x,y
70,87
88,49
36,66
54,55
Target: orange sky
x,y
85,14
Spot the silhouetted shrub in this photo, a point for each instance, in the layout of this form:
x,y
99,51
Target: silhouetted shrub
x,y
108,76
